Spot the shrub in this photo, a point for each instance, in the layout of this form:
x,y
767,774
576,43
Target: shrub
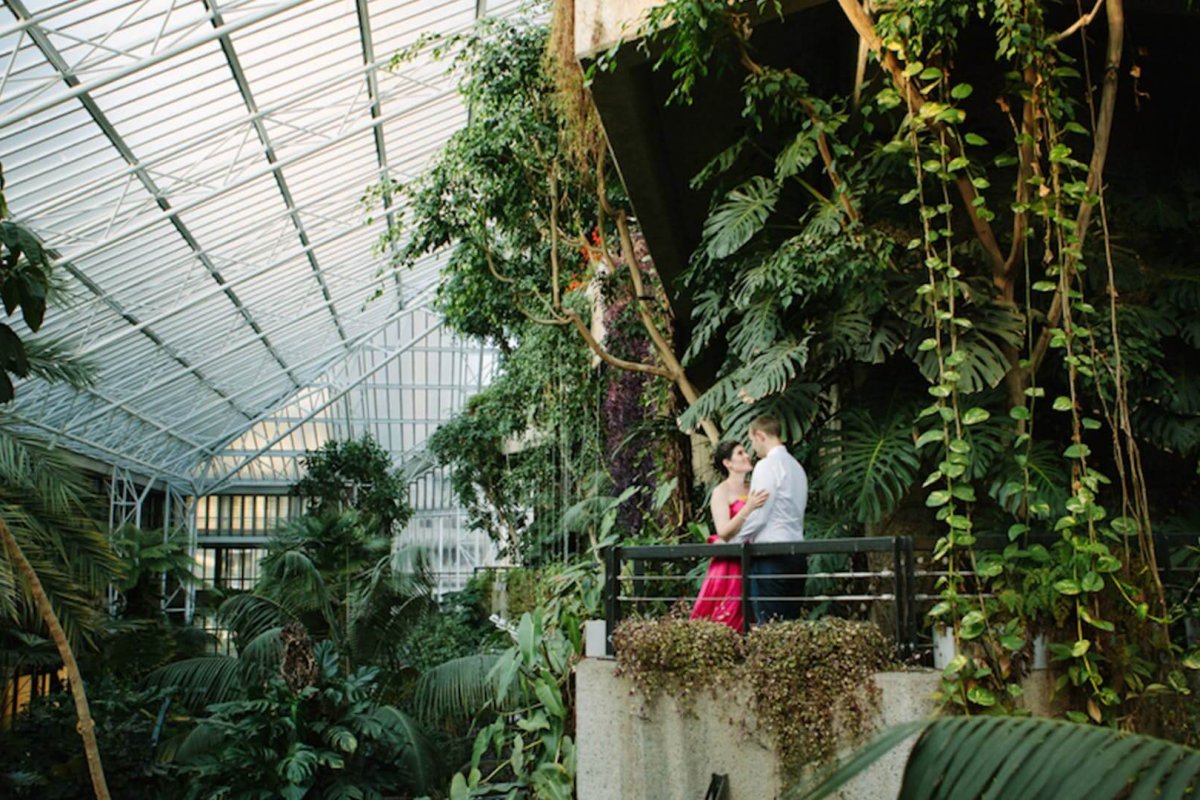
x,y
42,754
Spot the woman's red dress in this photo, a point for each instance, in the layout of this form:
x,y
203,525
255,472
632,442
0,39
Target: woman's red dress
x,y
720,596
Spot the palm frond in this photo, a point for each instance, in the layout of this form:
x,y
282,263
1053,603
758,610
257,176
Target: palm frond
x,y
419,753
456,689
250,616
53,361
203,740
293,575
41,473
870,464
263,652
386,603
204,680
1021,758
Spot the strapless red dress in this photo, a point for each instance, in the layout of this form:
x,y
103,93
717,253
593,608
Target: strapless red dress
x,y
720,596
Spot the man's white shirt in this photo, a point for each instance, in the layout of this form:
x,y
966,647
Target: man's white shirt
x,y
781,518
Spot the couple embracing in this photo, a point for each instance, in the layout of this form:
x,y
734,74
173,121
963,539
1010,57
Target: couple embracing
x,y
770,510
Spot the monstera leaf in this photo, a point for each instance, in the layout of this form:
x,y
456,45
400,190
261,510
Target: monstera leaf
x,y
870,463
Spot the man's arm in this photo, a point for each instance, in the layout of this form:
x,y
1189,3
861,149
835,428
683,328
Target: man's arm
x,y
761,481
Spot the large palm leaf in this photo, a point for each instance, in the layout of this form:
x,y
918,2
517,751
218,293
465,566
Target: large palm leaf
x,y
456,689
46,508
1019,758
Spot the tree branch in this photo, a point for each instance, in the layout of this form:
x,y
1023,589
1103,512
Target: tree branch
x,y
665,352
1108,102
1082,22
609,358
866,30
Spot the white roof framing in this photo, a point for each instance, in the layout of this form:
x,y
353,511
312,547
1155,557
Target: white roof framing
x,y
197,169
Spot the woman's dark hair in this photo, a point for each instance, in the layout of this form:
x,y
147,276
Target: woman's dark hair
x,y
722,453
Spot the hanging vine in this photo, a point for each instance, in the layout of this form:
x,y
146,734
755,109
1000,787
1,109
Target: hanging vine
x,y
999,232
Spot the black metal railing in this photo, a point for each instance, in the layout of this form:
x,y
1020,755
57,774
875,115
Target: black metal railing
x,y
903,574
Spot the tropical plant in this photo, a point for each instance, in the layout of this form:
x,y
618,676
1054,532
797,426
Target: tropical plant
x,y
42,760
899,237
322,736
527,748
342,582
521,191
355,474
55,563
28,283
1013,758
150,561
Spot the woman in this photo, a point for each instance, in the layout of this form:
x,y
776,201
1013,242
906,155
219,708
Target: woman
x,y
721,593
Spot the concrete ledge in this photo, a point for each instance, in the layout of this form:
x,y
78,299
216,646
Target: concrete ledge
x,y
631,749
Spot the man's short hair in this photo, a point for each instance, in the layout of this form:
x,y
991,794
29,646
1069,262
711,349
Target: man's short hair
x,y
767,424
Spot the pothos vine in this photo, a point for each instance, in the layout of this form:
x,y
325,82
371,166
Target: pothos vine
x,y
1082,574
1092,581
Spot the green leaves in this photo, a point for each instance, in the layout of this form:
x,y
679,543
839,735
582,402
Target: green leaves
x,y
742,214
1009,758
871,463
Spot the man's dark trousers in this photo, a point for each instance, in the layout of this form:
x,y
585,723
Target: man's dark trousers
x,y
767,585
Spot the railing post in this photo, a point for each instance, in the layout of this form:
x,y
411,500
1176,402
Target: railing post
x,y
747,611
910,594
612,588
898,593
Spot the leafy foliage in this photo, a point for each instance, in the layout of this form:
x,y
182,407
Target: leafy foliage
x,y
51,514
809,681
356,474
330,739
40,752
869,465
1011,758
529,748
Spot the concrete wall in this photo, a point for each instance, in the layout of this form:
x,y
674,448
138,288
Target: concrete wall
x,y
631,749
601,23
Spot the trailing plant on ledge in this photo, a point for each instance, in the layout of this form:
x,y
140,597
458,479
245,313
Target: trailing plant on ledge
x,y
810,683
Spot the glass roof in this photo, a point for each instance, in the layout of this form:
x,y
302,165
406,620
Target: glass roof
x,y
197,169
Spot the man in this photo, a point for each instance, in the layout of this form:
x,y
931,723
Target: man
x,y
780,519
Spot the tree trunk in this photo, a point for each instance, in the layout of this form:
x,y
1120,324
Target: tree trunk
x,y
86,726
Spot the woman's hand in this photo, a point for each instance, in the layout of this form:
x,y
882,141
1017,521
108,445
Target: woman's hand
x,y
756,499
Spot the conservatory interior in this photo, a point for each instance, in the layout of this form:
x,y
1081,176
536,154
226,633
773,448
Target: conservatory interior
x,y
558,399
